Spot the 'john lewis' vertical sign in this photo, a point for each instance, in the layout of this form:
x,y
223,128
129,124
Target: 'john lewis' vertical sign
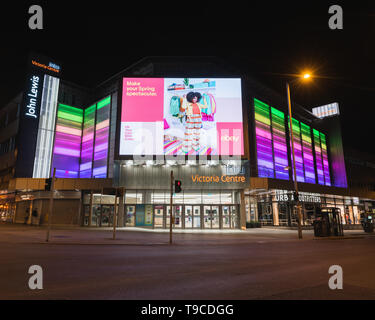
x,y
30,112
33,97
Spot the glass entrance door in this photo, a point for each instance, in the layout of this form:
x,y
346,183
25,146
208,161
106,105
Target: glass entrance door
x,y
225,217
215,217
211,217
158,216
207,217
234,220
130,216
188,217
95,218
196,217
284,216
177,215
107,215
192,217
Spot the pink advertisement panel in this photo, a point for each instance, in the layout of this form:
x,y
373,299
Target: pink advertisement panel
x,y
143,99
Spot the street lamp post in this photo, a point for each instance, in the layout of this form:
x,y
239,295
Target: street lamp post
x,y
298,204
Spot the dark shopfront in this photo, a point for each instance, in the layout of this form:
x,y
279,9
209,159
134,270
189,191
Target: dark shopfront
x,y
277,207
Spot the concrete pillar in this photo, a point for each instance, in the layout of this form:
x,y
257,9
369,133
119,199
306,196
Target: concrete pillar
x,y
80,211
275,211
14,211
254,206
90,208
242,210
356,215
121,210
30,219
351,215
248,208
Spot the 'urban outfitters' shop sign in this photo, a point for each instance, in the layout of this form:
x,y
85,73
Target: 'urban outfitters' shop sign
x,y
302,196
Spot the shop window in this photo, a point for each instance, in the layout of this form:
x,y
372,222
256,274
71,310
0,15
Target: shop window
x,y
212,197
192,197
158,197
283,214
339,201
330,201
309,213
226,198
265,213
130,197
344,217
178,198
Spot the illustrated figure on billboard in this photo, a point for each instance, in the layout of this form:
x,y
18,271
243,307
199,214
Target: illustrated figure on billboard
x,y
192,108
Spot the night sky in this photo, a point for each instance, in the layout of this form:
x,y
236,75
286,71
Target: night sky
x,y
98,39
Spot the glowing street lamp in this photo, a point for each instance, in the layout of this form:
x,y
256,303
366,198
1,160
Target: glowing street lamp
x,y
305,76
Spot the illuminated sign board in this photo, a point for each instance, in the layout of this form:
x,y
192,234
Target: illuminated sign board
x,y
217,179
181,116
37,118
326,110
32,97
51,66
284,196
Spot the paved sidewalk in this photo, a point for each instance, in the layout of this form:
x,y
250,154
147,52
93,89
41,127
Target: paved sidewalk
x,y
17,233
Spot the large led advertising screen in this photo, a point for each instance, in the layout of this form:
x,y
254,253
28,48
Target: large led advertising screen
x,y
181,116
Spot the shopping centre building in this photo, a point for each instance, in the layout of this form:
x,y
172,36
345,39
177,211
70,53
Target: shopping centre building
x,y
113,148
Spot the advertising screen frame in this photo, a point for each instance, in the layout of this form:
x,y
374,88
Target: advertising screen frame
x,y
245,121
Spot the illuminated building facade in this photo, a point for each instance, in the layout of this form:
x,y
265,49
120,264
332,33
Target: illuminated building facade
x,y
88,136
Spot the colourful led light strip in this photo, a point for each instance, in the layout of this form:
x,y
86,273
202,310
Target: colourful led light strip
x,y
327,177
279,144
297,150
104,102
318,157
68,116
87,142
263,140
308,158
67,145
272,149
101,138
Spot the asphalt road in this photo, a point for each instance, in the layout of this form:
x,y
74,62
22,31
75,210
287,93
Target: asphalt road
x,y
259,264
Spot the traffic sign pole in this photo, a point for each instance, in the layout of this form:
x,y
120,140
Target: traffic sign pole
x,y
171,210
51,204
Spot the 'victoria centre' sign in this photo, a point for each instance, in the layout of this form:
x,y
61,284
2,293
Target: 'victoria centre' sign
x,y
217,179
